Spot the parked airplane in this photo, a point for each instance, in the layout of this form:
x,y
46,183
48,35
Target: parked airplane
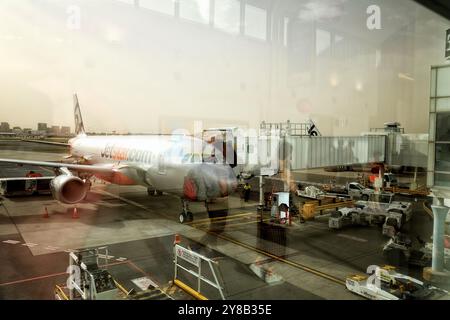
x,y
166,163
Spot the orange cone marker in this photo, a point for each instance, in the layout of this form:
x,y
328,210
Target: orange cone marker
x,y
75,214
177,239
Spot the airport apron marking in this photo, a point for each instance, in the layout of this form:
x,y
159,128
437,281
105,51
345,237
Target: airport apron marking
x,y
351,237
288,262
30,245
11,241
51,248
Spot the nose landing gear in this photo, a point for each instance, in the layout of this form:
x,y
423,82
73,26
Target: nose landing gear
x,y
154,192
185,215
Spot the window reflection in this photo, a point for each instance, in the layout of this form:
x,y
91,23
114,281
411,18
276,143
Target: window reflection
x,y
163,6
126,1
443,126
323,41
442,157
255,22
195,10
227,15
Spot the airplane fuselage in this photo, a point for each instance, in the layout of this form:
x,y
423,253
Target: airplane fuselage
x,y
155,161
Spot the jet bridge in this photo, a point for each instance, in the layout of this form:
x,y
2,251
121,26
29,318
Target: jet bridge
x,y
314,152
301,146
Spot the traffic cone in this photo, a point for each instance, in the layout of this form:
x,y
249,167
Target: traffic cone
x,y
177,239
45,215
75,213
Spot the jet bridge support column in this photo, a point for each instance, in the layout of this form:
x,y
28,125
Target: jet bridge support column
x,y
437,272
439,213
261,191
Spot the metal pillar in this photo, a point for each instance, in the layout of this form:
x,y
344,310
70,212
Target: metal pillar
x,y
440,213
261,191
413,185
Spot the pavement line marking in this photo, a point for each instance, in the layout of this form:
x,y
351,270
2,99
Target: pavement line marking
x,y
288,262
11,241
244,223
291,263
30,245
240,215
351,237
48,276
51,248
193,223
221,219
32,279
125,200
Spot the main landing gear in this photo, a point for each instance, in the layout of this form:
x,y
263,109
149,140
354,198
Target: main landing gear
x,y
154,192
185,215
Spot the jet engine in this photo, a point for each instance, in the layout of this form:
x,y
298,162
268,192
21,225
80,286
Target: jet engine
x,y
209,181
68,189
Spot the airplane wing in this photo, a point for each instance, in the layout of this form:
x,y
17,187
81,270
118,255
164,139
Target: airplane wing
x,y
70,166
59,144
27,178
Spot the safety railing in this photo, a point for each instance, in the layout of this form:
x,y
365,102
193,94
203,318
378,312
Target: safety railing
x,y
194,259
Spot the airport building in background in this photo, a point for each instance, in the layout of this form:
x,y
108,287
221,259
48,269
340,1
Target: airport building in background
x,y
4,127
65,131
42,126
55,131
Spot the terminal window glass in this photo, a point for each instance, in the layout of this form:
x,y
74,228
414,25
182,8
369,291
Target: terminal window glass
x,y
163,6
255,22
442,157
227,15
443,126
442,105
443,82
195,10
442,179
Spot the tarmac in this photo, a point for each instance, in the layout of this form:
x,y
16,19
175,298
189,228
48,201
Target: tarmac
x,y
307,260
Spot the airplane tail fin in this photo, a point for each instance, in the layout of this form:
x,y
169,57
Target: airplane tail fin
x,y
79,126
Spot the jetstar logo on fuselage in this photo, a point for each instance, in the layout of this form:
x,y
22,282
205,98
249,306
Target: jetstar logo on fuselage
x,y
114,152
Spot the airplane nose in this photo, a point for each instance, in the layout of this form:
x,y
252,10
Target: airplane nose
x,y
209,181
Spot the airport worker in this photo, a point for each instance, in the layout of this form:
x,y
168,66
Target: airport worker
x,y
247,189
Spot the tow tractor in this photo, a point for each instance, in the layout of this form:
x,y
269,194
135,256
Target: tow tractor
x,y
89,280
387,284
401,250
391,214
